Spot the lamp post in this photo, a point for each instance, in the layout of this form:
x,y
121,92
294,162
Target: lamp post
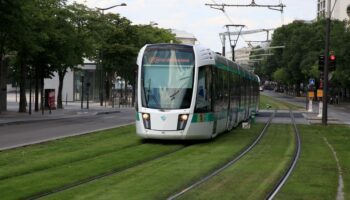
x,y
101,54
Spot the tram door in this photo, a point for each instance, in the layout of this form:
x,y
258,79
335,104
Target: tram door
x,y
234,101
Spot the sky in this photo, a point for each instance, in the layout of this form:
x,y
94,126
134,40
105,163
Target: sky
x,y
205,23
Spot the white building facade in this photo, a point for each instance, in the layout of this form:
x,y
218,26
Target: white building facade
x,y
241,55
184,37
72,83
341,9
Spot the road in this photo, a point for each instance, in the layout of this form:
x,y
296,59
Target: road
x,y
30,133
339,112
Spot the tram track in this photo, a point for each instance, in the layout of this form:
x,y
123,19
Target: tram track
x,y
225,166
281,180
101,175
292,164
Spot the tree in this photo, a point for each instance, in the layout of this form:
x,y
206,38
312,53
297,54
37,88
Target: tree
x,y
10,21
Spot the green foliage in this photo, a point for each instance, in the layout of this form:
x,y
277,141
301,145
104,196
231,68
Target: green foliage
x,y
304,42
281,76
51,36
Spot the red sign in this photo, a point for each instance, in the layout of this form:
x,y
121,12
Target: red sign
x,y
51,99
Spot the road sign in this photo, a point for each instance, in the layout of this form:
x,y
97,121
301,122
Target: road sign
x,y
311,81
311,94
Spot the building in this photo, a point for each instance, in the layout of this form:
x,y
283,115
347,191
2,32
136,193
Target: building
x,y
184,37
241,55
341,9
72,83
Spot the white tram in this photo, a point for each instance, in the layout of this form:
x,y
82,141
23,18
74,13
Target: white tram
x,y
190,92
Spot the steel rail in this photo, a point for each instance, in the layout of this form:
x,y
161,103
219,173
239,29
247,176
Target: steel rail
x,y
292,165
220,169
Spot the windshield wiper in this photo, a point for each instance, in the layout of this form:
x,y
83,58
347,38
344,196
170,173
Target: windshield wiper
x,y
185,77
174,94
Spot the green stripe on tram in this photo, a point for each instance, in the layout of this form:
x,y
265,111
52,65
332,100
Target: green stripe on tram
x,y
137,116
203,117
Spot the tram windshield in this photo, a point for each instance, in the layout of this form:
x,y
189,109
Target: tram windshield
x,y
167,76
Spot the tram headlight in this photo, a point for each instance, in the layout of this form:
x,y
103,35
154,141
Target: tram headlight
x,y
146,120
145,116
182,121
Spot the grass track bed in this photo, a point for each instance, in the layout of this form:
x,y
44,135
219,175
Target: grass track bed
x,y
43,181
267,102
255,174
33,158
160,178
316,176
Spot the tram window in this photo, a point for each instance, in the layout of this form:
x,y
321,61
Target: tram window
x,y
203,100
221,89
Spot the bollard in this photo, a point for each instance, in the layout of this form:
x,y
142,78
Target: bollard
x,y
320,107
310,106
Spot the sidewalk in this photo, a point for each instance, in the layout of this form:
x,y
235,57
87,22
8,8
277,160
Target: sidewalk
x,y
71,109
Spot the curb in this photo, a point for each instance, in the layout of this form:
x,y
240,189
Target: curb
x,y
57,118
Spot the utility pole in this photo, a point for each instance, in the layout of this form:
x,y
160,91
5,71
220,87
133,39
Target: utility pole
x,y
233,46
223,42
326,64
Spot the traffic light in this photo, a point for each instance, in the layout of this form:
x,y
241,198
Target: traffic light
x,y
332,62
320,62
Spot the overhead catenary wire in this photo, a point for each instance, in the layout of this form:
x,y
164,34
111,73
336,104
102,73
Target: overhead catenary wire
x,y
279,7
227,16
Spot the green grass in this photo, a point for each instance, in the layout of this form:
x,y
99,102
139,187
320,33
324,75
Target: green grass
x,y
316,175
256,173
160,178
35,169
267,102
55,153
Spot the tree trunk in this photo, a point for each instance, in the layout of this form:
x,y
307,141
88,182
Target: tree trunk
x,y
3,78
61,74
108,88
22,88
37,71
42,97
126,92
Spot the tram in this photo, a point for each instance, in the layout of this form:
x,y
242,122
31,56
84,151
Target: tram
x,y
190,92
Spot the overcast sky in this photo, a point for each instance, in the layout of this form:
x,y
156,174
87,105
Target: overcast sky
x,y
206,23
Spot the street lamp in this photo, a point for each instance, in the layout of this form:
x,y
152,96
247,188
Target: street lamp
x,y
101,53
103,9
152,23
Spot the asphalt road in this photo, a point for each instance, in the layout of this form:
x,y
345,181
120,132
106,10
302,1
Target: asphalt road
x,y
30,133
339,112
